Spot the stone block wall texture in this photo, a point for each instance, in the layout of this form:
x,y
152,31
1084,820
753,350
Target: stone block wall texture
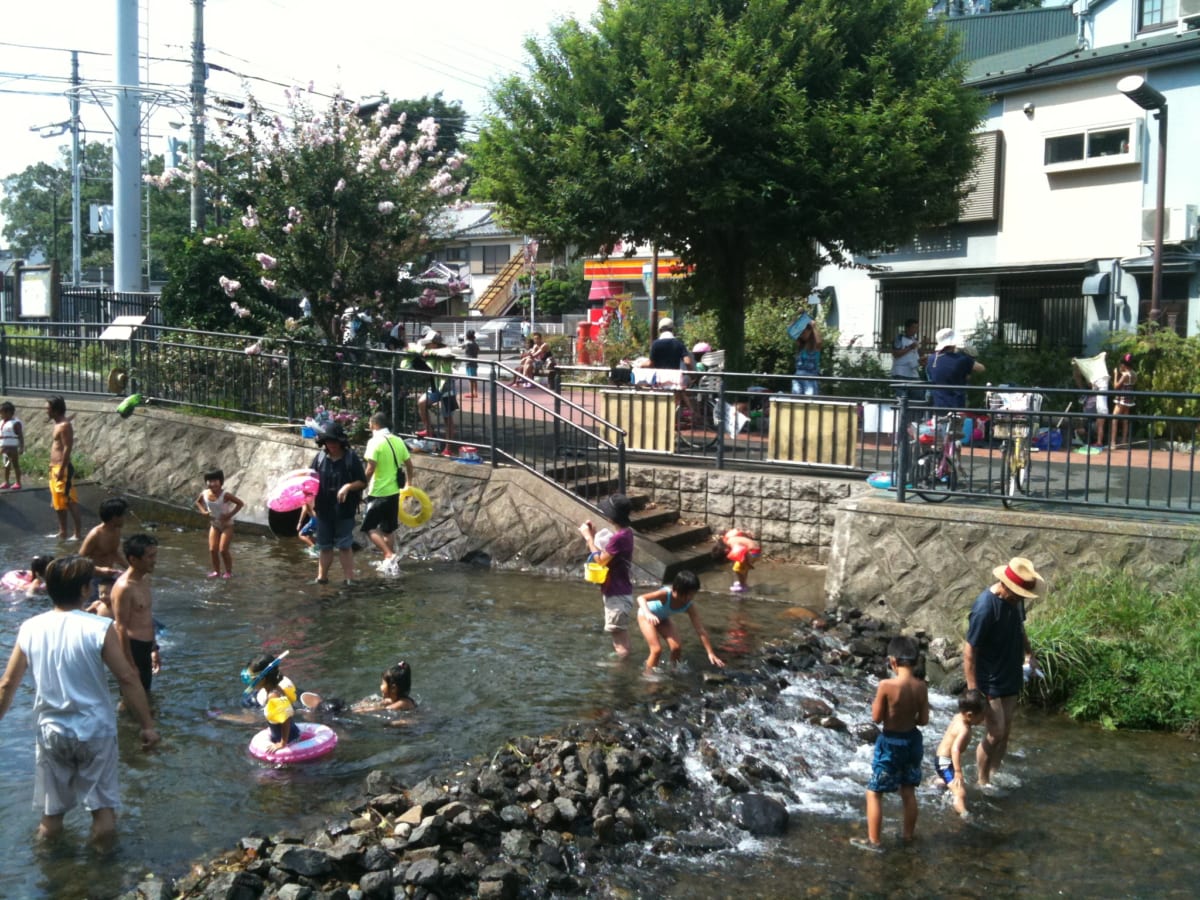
x,y
792,516
923,566
505,517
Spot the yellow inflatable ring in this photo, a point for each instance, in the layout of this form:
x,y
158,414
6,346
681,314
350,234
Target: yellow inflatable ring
x,y
415,493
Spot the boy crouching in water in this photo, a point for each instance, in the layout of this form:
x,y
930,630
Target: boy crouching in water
x,y
901,705
972,711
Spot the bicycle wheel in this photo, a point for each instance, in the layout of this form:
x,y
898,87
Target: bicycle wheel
x,y
933,477
695,428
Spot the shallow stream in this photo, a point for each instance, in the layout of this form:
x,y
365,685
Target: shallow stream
x,y
495,655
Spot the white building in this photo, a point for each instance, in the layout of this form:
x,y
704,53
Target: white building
x,y
1054,245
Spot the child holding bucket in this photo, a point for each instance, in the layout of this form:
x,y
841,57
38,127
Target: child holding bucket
x,y
617,557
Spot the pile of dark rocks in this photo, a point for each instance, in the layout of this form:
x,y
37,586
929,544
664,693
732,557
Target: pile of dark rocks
x,y
546,815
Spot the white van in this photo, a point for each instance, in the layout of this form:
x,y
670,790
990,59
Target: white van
x,y
500,334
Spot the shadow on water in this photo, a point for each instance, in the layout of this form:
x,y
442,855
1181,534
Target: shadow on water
x,y
1088,813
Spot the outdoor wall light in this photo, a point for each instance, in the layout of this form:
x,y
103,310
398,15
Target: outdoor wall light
x,y
1028,109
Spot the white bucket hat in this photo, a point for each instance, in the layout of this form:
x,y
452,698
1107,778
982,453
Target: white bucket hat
x,y
946,337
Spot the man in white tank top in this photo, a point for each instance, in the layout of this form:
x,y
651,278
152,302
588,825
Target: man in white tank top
x,y
67,650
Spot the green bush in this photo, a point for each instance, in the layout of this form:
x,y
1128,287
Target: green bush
x,y
1121,648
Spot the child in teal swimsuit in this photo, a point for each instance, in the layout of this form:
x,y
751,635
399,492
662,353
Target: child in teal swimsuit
x,y
654,618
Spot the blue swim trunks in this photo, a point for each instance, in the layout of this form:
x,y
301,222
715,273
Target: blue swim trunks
x,y
897,761
945,768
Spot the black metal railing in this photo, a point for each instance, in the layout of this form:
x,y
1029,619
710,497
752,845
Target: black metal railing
x,y
577,428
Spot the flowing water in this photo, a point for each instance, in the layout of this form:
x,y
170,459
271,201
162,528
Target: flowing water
x,y
495,655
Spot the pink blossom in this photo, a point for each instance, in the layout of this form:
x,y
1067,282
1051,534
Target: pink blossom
x,y
288,228
266,261
254,349
268,283
340,186
386,207
229,285
250,219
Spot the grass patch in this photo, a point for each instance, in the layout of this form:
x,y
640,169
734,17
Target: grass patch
x,y
1122,648
37,462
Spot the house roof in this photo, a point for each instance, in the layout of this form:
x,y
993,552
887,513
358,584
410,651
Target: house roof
x,y
474,222
993,34
1041,64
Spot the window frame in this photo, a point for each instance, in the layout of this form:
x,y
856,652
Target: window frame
x,y
1132,155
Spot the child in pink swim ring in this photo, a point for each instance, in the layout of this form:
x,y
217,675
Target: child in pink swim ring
x,y
742,550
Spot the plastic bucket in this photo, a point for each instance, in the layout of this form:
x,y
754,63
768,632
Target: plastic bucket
x,y
595,573
306,432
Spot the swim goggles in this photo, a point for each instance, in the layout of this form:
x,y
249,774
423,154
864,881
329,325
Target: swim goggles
x,y
253,679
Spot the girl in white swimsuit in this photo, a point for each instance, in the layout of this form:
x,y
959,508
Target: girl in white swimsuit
x,y
220,506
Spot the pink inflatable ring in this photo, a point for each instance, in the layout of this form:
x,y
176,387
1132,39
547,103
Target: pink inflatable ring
x,y
315,741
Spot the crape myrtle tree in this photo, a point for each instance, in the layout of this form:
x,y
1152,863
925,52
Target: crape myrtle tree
x,y
330,203
758,139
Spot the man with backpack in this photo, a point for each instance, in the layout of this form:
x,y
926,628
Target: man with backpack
x,y
385,454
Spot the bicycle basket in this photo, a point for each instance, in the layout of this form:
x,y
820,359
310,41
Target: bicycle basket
x,y
1013,413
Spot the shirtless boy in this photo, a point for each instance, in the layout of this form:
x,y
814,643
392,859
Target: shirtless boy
x,y
133,607
901,705
62,474
972,711
103,547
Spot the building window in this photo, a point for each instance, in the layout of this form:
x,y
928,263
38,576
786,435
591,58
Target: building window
x,y
1157,13
1093,148
495,258
1038,312
930,302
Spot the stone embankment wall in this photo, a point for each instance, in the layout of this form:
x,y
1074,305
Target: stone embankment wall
x,y
792,516
924,565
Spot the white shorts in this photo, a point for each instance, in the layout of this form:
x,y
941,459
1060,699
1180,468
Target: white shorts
x,y
617,610
69,770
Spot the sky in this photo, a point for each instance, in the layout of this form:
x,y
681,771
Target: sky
x,y
365,47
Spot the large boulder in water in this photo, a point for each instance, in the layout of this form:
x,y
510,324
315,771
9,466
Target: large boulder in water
x,y
758,814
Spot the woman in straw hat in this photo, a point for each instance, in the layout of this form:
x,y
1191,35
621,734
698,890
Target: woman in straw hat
x,y
994,653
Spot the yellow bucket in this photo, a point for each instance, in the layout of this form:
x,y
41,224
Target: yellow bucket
x,y
595,573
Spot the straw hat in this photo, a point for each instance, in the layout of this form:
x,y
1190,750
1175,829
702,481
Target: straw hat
x,y
1018,576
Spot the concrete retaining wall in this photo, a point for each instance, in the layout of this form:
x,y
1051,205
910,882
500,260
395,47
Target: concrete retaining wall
x,y
793,516
924,565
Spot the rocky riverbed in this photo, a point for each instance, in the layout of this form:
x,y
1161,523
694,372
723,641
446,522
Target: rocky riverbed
x,y
547,815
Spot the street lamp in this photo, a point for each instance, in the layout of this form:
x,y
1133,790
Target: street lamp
x,y
1136,89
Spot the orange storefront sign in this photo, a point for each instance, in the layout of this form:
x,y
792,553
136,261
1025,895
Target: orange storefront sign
x,y
631,269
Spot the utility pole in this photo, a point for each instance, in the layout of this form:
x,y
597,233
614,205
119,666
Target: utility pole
x,y
196,150
76,230
127,161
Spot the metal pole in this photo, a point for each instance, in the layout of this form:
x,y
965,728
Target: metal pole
x,y
127,162
76,231
1159,214
196,150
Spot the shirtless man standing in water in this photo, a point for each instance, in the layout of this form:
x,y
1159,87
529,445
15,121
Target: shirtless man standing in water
x,y
133,607
62,474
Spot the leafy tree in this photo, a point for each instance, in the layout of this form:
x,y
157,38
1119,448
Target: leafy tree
x,y
559,290
758,140
37,207
331,203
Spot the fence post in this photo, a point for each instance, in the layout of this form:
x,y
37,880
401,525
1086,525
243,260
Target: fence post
x,y
720,415
291,384
3,360
901,454
394,380
620,464
493,416
134,383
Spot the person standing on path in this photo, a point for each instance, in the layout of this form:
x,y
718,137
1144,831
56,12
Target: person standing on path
x,y
385,454
994,653
68,650
62,473
949,370
340,482
906,357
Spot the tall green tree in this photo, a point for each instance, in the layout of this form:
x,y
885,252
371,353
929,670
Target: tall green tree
x,y
756,138
334,204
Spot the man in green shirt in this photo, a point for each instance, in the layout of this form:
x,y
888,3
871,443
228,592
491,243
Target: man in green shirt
x,y
384,455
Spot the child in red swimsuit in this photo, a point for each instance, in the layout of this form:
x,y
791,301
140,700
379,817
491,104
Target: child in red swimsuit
x,y
740,548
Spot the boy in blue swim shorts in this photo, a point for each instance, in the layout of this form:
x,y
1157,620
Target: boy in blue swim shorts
x,y
901,706
972,711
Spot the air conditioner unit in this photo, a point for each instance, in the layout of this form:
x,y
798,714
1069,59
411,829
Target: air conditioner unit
x,y
1179,224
